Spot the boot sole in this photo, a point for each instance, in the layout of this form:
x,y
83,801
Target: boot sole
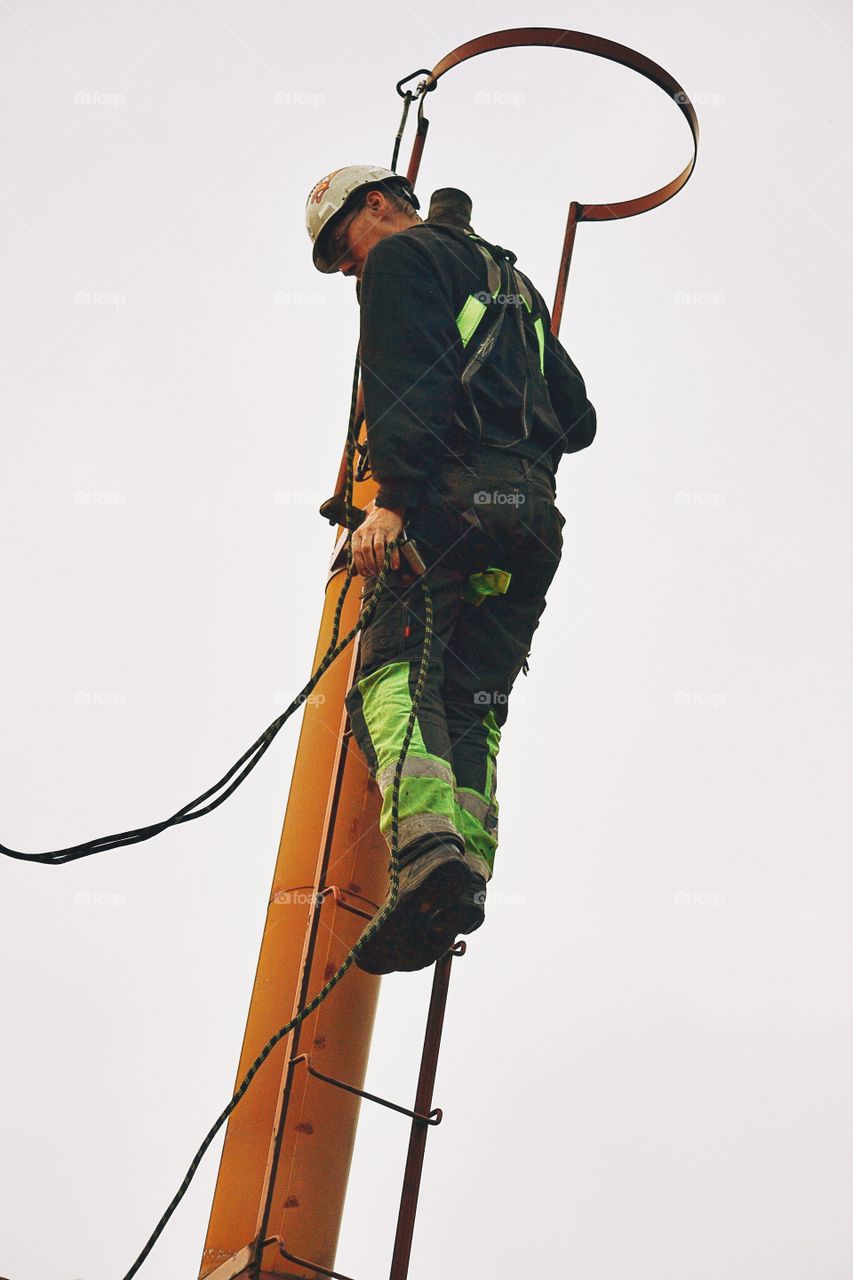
x,y
448,922
399,944
465,915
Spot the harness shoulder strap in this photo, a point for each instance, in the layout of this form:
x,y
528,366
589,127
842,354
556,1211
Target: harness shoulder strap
x,y
538,325
474,307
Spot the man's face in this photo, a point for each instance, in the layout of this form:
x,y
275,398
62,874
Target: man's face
x,y
360,231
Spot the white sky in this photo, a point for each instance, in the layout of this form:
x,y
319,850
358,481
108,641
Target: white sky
x,y
647,1046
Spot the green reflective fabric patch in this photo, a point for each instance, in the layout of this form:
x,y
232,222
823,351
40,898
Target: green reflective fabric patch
x,y
493,742
474,309
477,812
477,839
427,786
386,703
540,334
491,582
429,798
469,317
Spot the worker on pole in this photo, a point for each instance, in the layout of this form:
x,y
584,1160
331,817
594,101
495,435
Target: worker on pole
x,y
469,403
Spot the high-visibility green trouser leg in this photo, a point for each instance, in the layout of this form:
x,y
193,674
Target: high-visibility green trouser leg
x,y
432,803
380,705
477,811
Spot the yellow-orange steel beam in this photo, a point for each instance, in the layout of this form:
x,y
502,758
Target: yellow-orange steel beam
x,y
285,1163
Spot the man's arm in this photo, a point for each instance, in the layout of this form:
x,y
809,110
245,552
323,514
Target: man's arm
x,y
567,390
411,364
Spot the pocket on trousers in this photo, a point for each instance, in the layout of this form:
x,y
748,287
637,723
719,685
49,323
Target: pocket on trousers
x,y
383,638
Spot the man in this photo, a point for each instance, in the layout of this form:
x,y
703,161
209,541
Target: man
x,y
469,403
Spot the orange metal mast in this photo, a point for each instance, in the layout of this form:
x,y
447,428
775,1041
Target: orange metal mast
x,y
288,1146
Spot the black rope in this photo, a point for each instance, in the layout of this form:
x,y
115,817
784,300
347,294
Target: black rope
x,y
59,856
334,648
407,102
246,763
244,766
365,937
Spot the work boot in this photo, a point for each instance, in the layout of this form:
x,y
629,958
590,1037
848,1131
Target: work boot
x,y
435,878
464,915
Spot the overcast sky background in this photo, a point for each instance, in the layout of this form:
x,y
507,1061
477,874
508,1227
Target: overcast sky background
x,y
648,1048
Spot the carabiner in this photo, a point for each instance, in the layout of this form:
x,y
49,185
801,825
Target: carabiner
x,y
422,71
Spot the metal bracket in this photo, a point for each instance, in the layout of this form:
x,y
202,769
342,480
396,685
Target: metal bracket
x,y
337,895
434,1117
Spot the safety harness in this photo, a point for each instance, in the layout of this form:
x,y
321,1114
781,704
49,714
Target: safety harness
x,y
506,287
507,292
474,308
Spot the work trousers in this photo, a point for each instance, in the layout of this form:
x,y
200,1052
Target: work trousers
x,y
492,510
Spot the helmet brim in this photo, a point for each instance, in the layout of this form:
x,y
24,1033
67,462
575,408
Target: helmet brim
x,y
321,262
321,258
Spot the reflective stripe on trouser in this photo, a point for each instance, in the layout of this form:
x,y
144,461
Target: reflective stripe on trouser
x,y
477,812
430,801
383,702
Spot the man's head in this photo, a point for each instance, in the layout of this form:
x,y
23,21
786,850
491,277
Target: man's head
x,y
352,209
374,215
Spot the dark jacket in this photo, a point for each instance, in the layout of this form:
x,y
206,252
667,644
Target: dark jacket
x,y
414,284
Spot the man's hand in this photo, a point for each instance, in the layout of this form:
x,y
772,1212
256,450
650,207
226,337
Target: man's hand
x,y
371,538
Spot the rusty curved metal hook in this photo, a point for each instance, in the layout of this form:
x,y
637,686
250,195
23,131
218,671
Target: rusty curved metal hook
x,y
581,42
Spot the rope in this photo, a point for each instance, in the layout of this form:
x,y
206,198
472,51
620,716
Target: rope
x,y
249,759
366,936
247,762
58,857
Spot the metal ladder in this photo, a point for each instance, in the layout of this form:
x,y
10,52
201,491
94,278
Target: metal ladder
x,y
423,1117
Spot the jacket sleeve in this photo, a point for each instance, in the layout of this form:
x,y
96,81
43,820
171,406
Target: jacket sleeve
x,y
567,391
410,366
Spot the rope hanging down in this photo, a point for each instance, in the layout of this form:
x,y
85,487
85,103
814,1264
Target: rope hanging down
x,y
57,857
244,766
246,763
336,977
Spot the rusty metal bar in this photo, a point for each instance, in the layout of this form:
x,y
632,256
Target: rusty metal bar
x,y
563,273
423,1101
434,1116
581,42
336,893
312,1266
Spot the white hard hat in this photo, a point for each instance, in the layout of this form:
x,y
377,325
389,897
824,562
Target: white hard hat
x,y
332,193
